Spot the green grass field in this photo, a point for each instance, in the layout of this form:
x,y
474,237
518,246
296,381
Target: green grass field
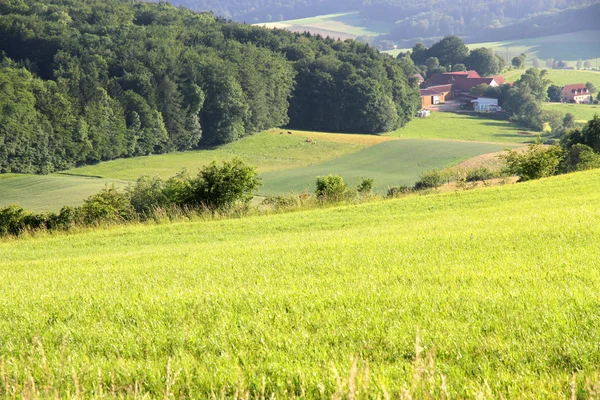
x,y
562,77
584,45
582,112
397,162
345,25
444,125
265,150
288,154
501,283
569,47
49,192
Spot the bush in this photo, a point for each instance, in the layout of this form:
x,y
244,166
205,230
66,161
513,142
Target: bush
x,y
478,174
537,162
147,194
65,219
109,205
430,180
220,187
365,187
396,191
580,158
331,187
12,220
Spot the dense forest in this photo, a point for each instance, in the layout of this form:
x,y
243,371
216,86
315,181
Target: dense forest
x,y
82,81
424,20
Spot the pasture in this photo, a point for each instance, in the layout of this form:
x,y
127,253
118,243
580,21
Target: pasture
x,y
562,77
479,294
398,162
286,162
570,47
461,126
49,192
347,25
582,112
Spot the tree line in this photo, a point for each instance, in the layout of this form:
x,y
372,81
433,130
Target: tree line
x,y
88,81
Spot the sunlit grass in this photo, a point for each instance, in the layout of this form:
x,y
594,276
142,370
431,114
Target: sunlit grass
x,y
502,284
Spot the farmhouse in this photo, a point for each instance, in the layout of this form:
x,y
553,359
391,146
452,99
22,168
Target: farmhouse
x,y
575,93
459,84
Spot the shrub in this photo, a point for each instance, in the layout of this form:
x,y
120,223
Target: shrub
x,y
537,162
580,158
221,186
396,191
109,205
65,219
178,189
365,187
12,220
331,187
478,174
430,180
147,194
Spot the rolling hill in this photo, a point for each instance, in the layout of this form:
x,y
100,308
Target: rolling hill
x,y
488,293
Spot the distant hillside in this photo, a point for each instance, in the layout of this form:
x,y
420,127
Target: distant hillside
x,y
411,20
89,81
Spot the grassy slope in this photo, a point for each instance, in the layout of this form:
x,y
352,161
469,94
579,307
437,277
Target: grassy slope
x,y
349,23
48,192
503,287
441,125
271,152
584,45
562,77
398,162
267,151
582,112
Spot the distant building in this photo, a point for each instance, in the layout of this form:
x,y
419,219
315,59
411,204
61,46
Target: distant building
x,y
445,78
431,97
459,84
575,93
485,104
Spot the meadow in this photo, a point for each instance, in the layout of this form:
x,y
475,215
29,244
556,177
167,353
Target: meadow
x,y
343,25
569,47
49,192
582,112
489,293
286,162
393,163
462,126
561,77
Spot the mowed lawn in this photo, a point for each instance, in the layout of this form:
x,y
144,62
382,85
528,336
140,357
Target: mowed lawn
x,y
500,286
397,162
457,126
582,112
49,192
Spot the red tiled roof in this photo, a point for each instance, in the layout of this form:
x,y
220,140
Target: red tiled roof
x,y
499,79
467,84
575,86
441,88
429,92
445,78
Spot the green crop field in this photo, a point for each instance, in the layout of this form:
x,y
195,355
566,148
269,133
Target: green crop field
x,y
291,155
398,162
343,25
500,286
582,112
49,192
444,125
562,77
570,47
